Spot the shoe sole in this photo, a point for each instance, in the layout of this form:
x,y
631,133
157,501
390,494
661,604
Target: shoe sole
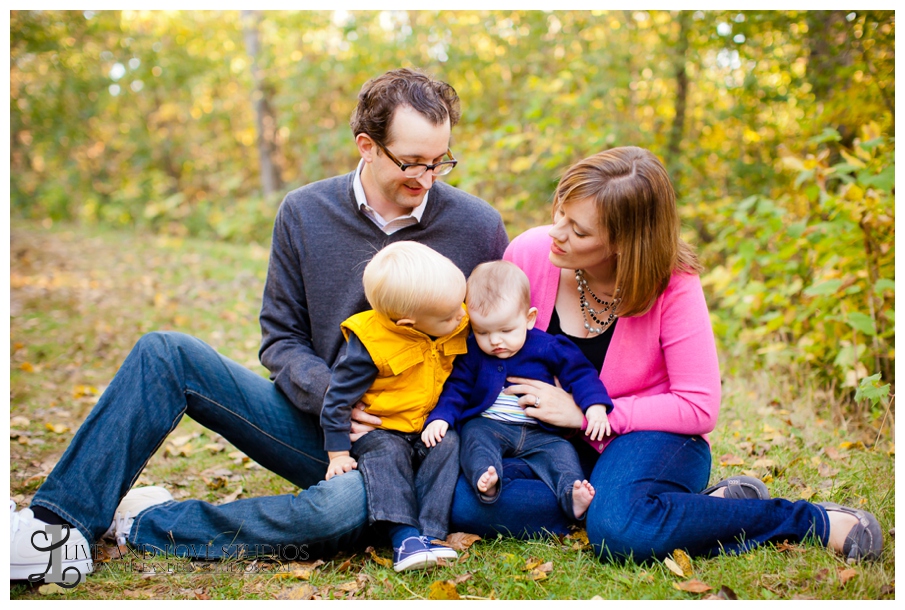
x,y
417,561
22,571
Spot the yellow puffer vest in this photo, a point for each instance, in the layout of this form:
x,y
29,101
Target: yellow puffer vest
x,y
412,368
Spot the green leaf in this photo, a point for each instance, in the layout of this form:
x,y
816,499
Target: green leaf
x,y
869,389
827,135
883,285
862,323
885,180
828,287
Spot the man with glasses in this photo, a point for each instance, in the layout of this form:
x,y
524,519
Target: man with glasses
x,y
323,236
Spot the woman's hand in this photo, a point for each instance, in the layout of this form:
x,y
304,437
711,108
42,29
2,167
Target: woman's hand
x,y
548,403
362,422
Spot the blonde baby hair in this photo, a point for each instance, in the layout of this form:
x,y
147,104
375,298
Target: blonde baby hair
x,y
405,277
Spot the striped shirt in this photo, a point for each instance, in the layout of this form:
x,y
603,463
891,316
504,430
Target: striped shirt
x,y
506,408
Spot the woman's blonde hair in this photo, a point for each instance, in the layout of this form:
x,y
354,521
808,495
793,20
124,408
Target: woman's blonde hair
x,y
496,282
636,206
406,277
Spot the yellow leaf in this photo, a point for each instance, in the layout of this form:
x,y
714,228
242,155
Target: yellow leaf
x,y
57,428
537,575
807,493
684,561
84,390
387,563
443,589
51,589
846,575
301,592
27,367
531,564
350,586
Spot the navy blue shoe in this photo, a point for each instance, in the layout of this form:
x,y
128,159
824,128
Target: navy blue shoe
x,y
413,554
439,549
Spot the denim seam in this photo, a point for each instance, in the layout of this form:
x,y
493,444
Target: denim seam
x,y
278,441
62,513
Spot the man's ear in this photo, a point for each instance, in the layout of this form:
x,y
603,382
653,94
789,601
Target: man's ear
x,y
405,322
532,317
366,147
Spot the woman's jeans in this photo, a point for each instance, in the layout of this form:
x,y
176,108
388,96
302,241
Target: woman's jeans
x,y
168,375
408,483
647,504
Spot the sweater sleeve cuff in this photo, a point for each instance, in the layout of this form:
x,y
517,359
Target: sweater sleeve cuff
x,y
337,441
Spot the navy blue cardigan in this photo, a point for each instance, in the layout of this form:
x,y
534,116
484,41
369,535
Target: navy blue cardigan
x,y
478,378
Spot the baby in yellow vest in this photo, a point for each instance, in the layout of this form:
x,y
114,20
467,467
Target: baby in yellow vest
x,y
398,355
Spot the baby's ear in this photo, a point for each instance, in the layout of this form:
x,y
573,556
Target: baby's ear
x,y
405,322
532,317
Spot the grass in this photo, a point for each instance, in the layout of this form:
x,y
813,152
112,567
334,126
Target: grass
x,y
81,297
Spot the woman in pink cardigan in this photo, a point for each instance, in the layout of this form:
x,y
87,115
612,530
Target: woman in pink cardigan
x,y
613,275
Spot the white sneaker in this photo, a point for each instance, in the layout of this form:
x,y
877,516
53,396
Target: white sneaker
x,y
26,562
137,500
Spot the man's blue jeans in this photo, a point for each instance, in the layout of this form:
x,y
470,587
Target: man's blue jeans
x,y
168,375
647,504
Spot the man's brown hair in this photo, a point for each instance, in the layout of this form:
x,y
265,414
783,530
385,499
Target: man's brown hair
x,y
380,97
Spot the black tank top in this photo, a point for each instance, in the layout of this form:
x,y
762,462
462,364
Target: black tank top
x,y
594,347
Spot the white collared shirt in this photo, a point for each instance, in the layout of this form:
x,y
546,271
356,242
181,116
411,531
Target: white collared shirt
x,y
393,225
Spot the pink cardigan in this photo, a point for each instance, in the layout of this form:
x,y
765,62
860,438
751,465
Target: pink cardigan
x,y
661,368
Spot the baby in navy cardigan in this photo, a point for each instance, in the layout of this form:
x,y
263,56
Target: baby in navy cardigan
x,y
491,423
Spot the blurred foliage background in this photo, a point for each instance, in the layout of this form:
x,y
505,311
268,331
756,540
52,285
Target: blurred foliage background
x,y
777,127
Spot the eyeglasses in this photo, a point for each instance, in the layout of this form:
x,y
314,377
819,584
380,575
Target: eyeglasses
x,y
416,170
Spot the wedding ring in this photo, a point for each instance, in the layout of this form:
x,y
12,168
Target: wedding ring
x,y
537,401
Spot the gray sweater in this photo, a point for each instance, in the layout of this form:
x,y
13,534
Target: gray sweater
x,y
321,244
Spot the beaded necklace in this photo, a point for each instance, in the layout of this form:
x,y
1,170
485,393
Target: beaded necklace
x,y
595,316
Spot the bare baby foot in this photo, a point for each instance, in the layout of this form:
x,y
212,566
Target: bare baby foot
x,y
487,484
582,494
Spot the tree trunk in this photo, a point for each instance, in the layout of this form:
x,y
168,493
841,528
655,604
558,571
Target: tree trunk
x,y
678,123
265,121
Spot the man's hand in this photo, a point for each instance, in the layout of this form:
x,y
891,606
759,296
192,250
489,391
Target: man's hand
x,y
598,423
362,422
340,463
434,432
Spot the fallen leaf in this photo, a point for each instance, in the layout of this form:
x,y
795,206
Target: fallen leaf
x,y
387,563
462,578
231,497
536,574
826,471
684,561
179,441
850,445
724,593
692,586
443,589
784,547
28,368
807,493
532,563
546,567
21,422
731,460
80,391
674,567
580,539
201,594
833,453
351,586
764,463
57,428
214,447
846,575
299,592
344,566
51,589
460,541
